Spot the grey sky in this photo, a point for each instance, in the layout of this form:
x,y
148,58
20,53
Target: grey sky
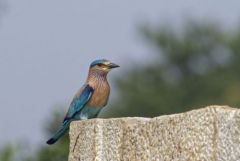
x,y
46,47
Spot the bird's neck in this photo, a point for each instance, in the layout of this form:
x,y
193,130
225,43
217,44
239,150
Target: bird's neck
x,y
96,76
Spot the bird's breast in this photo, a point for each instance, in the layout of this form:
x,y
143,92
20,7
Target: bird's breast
x,y
100,95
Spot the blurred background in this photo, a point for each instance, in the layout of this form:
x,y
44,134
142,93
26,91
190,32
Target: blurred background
x,y
174,56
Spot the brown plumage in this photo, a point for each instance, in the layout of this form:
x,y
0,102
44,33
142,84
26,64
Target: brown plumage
x,y
98,81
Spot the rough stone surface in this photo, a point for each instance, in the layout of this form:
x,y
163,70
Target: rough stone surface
x,y
208,134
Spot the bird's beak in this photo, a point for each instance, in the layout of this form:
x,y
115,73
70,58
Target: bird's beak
x,y
112,65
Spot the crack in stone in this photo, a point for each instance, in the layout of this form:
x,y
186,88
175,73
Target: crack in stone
x,y
75,143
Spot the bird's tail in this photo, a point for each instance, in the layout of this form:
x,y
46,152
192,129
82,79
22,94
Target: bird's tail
x,y
59,133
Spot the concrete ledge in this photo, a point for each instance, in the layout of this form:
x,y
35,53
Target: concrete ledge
x,y
208,134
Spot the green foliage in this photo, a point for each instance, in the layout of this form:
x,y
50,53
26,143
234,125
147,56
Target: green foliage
x,y
57,151
7,153
192,68
13,152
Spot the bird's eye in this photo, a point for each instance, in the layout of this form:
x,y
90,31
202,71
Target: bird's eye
x,y
100,65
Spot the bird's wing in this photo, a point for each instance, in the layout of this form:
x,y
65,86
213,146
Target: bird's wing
x,y
79,101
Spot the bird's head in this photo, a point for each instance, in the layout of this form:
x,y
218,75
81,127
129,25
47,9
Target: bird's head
x,y
102,65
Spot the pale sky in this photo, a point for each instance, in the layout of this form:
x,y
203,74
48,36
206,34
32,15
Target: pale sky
x,y
46,47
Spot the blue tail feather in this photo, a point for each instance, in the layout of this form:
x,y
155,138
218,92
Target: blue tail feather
x,y
51,141
59,133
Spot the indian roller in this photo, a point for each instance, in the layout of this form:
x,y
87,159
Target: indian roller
x,y
90,99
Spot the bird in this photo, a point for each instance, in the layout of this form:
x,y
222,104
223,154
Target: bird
x,y
90,98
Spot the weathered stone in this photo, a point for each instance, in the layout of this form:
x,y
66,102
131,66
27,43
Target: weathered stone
x,y
208,134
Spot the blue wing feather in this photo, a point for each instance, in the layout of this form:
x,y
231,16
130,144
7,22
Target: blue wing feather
x,y
79,102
